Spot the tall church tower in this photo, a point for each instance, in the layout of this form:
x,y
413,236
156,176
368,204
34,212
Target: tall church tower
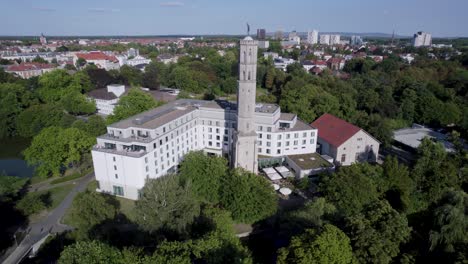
x,y
245,148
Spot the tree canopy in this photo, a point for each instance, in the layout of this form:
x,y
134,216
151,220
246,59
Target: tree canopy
x,y
248,197
135,102
166,203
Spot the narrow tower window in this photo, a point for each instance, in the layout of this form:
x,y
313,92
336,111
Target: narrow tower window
x,y
245,57
249,76
243,73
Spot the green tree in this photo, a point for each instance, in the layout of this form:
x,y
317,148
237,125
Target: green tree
x,y
55,148
450,223
94,126
135,102
166,203
433,172
205,174
131,75
77,104
92,252
13,99
31,121
314,214
330,245
351,188
377,233
150,78
399,185
248,197
90,209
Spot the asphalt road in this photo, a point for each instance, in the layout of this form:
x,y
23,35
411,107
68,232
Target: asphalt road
x,y
49,224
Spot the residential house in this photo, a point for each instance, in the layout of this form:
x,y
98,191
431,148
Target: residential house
x,y
98,58
107,98
30,69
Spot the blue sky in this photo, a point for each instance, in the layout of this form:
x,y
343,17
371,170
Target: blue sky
x,y
159,17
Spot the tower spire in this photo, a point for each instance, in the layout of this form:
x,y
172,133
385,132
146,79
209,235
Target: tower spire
x,y
245,149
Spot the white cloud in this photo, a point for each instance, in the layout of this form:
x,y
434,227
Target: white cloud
x,y
172,4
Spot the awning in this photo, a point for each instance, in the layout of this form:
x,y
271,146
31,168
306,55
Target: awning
x,y
285,191
283,171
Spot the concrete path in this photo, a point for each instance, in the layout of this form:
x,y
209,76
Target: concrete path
x,y
49,224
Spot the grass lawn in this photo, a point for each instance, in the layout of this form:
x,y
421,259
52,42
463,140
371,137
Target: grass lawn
x,y
126,207
57,195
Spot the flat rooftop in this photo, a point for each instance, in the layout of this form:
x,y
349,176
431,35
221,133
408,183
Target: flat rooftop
x,y
310,161
413,137
159,116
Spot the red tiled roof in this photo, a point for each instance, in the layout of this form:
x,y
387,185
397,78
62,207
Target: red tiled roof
x,y
29,67
333,130
96,56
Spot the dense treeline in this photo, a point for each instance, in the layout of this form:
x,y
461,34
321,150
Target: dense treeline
x,y
387,214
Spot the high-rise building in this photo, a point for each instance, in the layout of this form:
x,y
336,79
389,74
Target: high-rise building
x,y
261,34
422,39
356,40
245,148
312,37
152,144
279,35
43,39
327,39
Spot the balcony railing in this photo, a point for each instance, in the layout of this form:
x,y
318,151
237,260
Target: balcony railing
x,y
126,152
142,139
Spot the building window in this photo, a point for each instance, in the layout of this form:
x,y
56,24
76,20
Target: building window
x,y
304,142
268,144
343,158
268,136
278,151
115,167
259,143
268,129
116,176
260,135
98,185
312,141
268,151
146,168
260,128
279,137
146,159
296,135
288,136
295,142
312,134
304,134
287,143
259,149
118,190
357,157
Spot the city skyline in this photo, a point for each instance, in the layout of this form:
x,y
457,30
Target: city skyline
x,y
205,17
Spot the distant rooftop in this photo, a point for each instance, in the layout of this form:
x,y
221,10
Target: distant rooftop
x,y
413,136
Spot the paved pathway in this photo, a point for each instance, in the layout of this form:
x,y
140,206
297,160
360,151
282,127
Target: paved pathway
x,y
50,223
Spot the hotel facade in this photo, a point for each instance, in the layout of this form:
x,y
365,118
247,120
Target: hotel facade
x,y
152,144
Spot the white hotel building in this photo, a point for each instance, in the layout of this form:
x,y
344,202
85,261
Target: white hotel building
x,y
152,144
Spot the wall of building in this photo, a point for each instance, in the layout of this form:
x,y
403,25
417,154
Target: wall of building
x,y
356,149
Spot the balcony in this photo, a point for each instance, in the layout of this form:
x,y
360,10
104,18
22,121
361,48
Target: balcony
x,y
125,152
141,139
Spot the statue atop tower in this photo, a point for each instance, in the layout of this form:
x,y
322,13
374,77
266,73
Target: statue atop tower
x,y
245,147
